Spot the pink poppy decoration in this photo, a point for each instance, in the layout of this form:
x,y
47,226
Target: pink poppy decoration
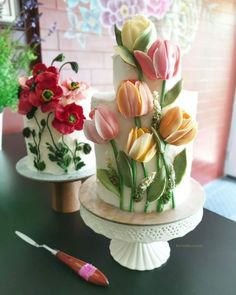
x,y
74,89
68,118
103,127
161,61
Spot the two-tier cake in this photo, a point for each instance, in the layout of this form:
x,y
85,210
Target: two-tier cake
x,y
143,130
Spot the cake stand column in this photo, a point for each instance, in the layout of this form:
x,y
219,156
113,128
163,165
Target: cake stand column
x,y
140,256
65,196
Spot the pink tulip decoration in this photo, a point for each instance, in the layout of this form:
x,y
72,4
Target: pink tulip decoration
x,y
161,61
103,127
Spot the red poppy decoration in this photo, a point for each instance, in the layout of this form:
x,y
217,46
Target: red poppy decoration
x,y
68,118
46,95
24,106
41,72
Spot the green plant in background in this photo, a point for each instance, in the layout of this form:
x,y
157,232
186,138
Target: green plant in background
x,y
15,59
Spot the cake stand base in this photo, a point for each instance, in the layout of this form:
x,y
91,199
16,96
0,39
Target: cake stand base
x,y
140,256
65,187
139,241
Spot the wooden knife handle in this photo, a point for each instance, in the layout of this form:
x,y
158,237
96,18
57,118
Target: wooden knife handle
x,y
85,270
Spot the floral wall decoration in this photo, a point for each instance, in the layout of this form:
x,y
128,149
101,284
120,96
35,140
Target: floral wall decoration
x,y
174,19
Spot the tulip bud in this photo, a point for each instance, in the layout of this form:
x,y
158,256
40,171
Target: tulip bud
x,y
103,127
132,30
134,99
161,61
141,145
177,127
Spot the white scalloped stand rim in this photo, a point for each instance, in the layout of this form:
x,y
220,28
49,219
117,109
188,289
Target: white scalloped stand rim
x,y
139,240
23,169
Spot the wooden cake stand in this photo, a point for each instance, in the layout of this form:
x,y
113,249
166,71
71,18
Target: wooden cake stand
x,y
139,240
65,187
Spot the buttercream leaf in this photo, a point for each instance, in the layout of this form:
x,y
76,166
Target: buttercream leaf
x,y
125,168
158,186
103,176
125,54
180,164
173,93
143,40
118,36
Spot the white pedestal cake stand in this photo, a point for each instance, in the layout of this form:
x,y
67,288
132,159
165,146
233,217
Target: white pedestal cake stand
x,y
65,191
139,240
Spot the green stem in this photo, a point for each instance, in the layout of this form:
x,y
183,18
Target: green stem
x,y
137,122
36,145
145,173
73,155
37,122
133,188
163,90
172,199
139,70
167,174
121,186
68,62
51,132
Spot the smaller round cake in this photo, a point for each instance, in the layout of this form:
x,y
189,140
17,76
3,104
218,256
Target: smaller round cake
x,y
54,113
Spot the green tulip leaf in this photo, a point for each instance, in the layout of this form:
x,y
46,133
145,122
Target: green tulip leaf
x,y
158,186
125,168
173,93
159,142
103,177
118,36
125,54
142,42
180,164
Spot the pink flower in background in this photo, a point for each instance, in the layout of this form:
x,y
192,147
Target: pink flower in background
x,y
74,89
117,11
161,61
158,8
103,126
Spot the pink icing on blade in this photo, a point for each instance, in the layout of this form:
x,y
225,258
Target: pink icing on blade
x,y
87,271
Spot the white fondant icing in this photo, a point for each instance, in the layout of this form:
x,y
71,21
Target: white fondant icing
x,y
187,100
70,140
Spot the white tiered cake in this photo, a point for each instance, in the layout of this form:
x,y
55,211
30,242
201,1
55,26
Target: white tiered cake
x,y
143,179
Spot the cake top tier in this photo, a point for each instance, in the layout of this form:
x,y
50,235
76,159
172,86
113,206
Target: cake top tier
x,y
147,58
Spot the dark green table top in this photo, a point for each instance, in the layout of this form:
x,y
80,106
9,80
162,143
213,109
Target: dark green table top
x,y
202,262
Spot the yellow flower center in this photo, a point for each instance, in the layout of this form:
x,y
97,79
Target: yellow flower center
x,y
74,85
47,95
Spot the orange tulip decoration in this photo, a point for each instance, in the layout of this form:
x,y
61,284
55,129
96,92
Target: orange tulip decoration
x,y
177,127
134,99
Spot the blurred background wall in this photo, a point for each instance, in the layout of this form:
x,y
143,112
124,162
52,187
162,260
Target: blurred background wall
x,y
209,67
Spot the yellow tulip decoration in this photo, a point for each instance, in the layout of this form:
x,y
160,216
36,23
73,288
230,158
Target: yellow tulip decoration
x,y
141,146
